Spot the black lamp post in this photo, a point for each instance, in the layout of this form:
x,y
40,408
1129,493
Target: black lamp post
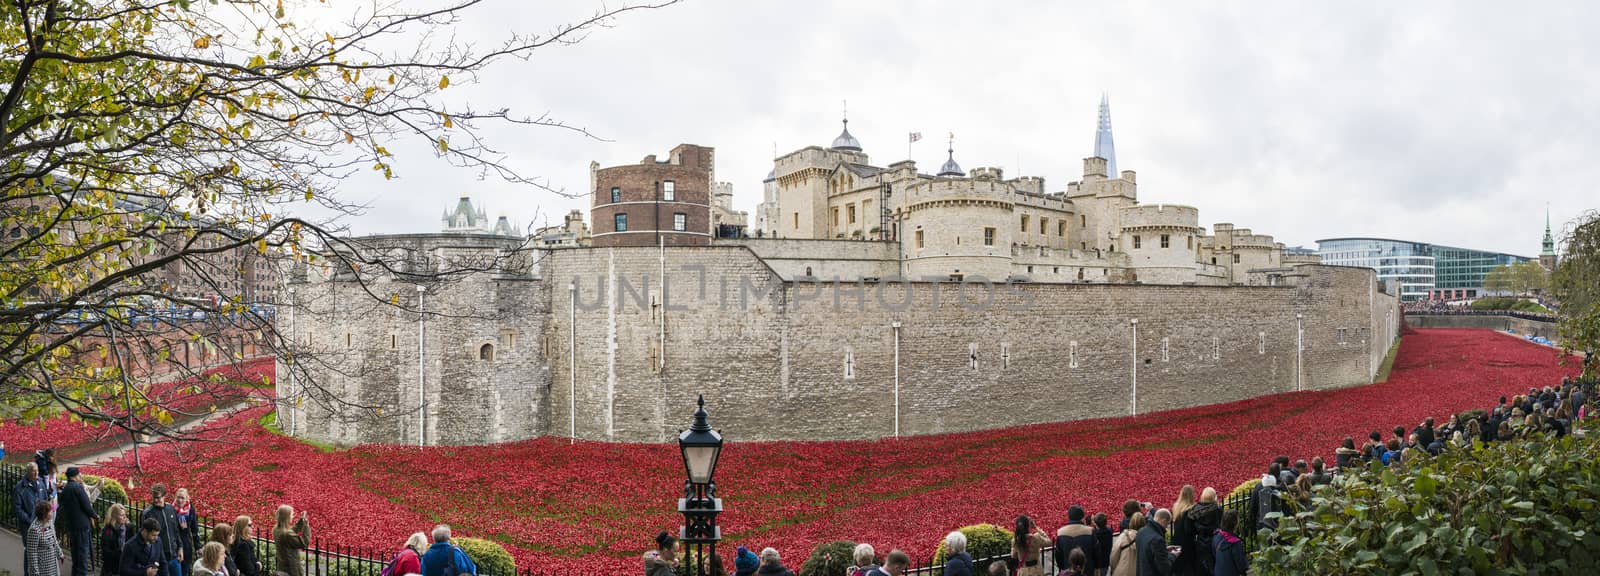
x,y
700,446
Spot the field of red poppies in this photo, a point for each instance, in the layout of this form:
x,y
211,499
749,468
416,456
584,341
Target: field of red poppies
x,y
595,506
191,396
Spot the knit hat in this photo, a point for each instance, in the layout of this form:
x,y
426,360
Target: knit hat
x,y
664,540
746,561
72,471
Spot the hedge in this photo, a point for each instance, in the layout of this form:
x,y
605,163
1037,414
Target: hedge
x,y
492,558
1527,506
983,541
830,559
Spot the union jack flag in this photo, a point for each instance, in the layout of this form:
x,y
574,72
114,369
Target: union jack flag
x,y
915,136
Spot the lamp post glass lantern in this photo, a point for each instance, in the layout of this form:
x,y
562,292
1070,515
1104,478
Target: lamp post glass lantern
x,y
701,446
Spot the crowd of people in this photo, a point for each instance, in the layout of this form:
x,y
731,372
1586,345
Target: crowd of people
x,y
1197,536
167,541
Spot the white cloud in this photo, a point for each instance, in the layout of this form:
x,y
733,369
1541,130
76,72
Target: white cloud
x,y
1445,122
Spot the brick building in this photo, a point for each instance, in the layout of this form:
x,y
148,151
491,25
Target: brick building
x,y
666,202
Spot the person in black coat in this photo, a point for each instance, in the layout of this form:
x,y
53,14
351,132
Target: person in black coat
x,y
1102,542
145,555
1193,533
243,549
113,537
28,493
77,511
1151,544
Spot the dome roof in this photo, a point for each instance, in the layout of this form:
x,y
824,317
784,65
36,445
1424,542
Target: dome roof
x,y
950,168
845,141
771,175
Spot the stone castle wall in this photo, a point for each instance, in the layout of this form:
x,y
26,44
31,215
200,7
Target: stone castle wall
x,y
795,360
781,359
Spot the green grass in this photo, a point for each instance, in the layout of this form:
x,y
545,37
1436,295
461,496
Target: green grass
x,y
270,423
1388,362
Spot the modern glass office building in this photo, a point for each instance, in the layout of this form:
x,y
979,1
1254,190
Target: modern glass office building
x,y
1423,271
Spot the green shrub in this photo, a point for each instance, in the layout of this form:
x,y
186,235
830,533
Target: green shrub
x,y
829,559
983,541
492,558
1521,507
1245,488
110,489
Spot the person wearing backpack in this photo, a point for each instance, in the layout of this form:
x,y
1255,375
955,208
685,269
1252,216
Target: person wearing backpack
x,y
409,560
444,558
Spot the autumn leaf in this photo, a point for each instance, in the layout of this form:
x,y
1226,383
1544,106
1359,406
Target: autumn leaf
x,y
202,42
444,82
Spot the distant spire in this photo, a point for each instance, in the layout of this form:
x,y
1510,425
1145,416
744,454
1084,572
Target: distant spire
x,y
845,141
950,167
1549,241
1104,147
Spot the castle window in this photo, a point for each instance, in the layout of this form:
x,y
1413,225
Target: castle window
x,y
1216,348
1261,342
1213,260
621,221
1024,222
919,238
680,221
988,237
797,220
1061,228
508,338
1044,226
849,364
394,341
1083,221
972,355
1005,355
1030,268
346,339
1166,241
851,213
486,352
1136,241
1235,258
669,191
1341,335
616,195
1072,354
1188,242
1165,341
835,212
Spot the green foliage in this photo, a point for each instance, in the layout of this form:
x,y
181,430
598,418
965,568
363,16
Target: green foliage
x,y
492,558
829,559
1244,488
1516,304
110,489
1522,507
353,569
983,541
1576,282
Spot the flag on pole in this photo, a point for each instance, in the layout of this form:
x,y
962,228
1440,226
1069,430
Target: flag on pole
x,y
915,136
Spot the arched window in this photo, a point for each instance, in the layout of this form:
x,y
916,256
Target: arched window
x,y
486,352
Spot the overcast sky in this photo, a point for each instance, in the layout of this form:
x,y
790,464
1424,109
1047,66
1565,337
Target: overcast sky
x,y
1444,122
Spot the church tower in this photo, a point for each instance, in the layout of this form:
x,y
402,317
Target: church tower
x,y
1547,256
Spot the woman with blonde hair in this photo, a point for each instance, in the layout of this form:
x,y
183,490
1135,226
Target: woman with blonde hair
x,y
210,562
188,527
115,533
1185,500
243,550
409,560
291,541
1124,551
1193,530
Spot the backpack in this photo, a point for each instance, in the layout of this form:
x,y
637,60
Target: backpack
x,y
389,570
450,566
